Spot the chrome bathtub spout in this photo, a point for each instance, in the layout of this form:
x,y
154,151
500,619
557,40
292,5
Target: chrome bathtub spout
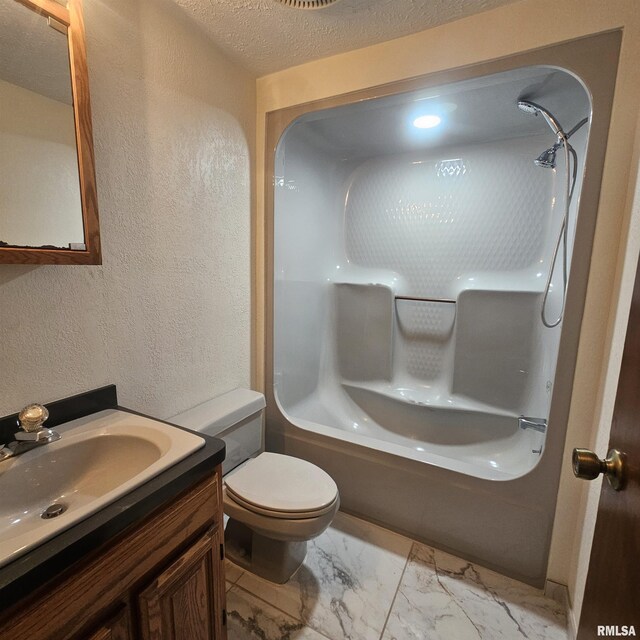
x,y
32,434
537,424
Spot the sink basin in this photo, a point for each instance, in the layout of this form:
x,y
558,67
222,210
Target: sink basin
x,y
97,460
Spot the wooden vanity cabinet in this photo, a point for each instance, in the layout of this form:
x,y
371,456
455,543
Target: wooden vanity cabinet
x,y
162,579
181,602
117,628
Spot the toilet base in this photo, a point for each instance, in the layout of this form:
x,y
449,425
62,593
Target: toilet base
x,y
273,560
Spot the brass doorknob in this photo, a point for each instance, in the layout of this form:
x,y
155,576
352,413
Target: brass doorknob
x,y
588,466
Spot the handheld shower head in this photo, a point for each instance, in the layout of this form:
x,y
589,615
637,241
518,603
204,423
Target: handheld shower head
x,y
528,107
531,107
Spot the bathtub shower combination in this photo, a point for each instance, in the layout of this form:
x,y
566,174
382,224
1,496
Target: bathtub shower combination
x,y
421,251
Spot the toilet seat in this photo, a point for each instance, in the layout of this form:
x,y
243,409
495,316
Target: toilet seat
x,y
271,513
281,486
280,527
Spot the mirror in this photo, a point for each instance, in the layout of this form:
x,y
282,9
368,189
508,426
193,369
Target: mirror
x,y
48,212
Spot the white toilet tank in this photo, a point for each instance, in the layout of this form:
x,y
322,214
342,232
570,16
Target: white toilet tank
x,y
236,418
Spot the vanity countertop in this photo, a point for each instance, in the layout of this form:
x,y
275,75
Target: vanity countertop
x,y
22,576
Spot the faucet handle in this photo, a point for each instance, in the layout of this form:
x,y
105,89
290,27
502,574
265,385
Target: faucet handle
x,y
32,417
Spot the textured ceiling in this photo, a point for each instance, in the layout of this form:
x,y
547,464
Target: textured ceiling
x,y
266,36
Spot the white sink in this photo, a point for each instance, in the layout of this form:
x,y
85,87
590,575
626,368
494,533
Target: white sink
x,y
97,460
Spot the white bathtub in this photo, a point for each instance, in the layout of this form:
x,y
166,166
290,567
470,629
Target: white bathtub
x,y
486,445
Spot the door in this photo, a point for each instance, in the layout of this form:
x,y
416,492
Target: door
x,y
186,601
612,597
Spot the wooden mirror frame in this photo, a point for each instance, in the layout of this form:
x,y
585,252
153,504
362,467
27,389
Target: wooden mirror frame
x,y
73,19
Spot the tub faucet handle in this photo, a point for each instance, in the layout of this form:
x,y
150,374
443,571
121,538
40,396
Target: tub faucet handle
x,y
537,424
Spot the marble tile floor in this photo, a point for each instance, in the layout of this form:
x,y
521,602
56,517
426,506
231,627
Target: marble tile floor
x,y
362,582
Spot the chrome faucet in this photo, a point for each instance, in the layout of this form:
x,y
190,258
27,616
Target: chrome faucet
x,y
537,424
31,434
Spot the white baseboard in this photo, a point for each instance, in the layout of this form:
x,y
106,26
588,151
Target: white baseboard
x,y
572,625
560,593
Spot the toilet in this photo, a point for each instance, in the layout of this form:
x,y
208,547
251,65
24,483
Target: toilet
x,y
275,503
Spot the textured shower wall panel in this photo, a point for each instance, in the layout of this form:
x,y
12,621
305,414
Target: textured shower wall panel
x,y
364,331
425,330
494,347
439,219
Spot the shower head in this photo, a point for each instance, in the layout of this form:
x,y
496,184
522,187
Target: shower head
x,y
535,109
547,159
528,107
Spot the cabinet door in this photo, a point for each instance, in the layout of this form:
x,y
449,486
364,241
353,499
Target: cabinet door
x,y
117,628
186,601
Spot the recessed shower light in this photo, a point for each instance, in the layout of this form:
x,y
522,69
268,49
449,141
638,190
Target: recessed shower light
x,y
427,121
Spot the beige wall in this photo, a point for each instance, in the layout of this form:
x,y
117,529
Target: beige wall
x,y
167,316
516,28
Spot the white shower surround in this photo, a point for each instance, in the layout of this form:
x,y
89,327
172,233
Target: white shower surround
x,y
433,382
476,225
410,230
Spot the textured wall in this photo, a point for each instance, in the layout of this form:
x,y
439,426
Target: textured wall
x,y
167,316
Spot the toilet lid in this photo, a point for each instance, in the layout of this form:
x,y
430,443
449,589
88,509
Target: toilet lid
x,y
275,482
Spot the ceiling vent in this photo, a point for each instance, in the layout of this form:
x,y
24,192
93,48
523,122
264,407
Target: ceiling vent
x,y
307,4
